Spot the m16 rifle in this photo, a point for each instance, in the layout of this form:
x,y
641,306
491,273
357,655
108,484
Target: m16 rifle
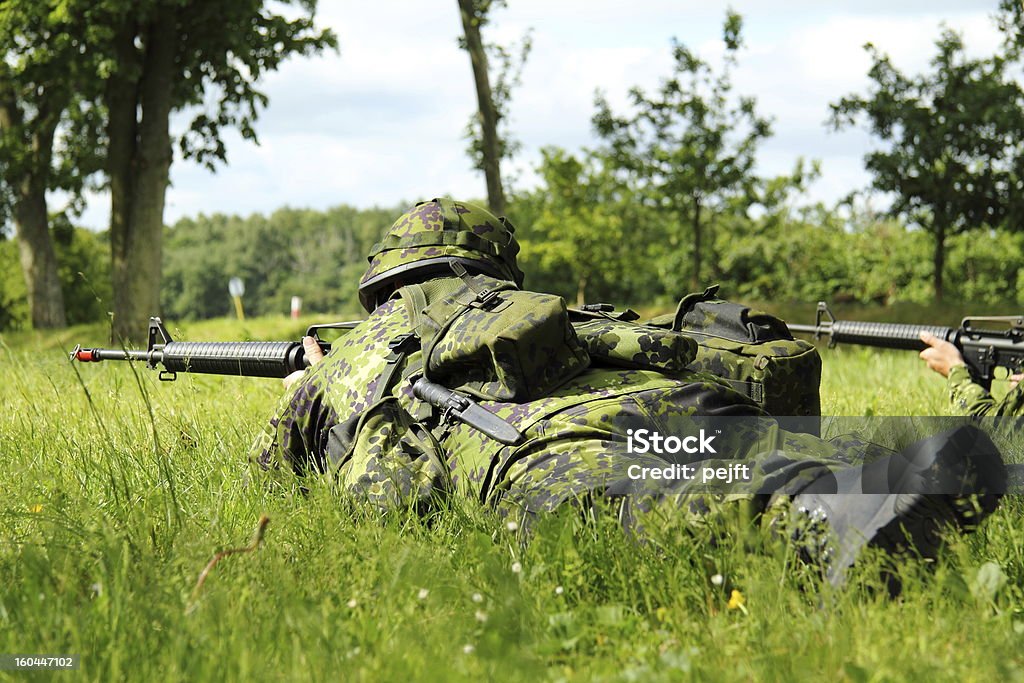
x,y
280,359
985,343
247,359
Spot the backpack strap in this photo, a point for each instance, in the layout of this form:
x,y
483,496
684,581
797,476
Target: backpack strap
x,y
599,311
400,347
687,303
428,333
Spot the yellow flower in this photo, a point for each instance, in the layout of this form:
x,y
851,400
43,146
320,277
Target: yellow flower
x,y
35,508
736,601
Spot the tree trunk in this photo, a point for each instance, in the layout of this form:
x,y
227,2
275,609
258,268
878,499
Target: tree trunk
x,y
581,291
695,282
139,160
485,103
939,259
31,219
38,260
714,263
121,98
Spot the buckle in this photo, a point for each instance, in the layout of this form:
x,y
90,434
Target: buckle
x,y
399,342
399,346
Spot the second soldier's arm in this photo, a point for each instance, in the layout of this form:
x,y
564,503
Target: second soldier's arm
x,y
967,396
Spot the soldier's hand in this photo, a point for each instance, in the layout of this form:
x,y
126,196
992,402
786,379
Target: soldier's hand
x,y
1015,380
941,356
313,353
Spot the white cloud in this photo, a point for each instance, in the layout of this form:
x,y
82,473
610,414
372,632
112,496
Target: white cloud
x,y
383,121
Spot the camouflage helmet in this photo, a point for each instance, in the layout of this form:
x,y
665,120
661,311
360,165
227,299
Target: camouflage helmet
x,y
427,240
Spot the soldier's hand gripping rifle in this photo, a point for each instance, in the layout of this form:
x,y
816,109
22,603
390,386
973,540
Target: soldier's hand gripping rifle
x,y
985,343
248,359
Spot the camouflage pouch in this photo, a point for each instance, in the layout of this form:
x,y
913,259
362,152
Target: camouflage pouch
x,y
492,340
614,339
383,456
752,350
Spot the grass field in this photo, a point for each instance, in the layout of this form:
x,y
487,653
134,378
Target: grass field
x,y
116,490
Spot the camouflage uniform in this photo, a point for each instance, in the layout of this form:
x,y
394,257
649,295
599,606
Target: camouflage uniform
x,y
970,398
575,436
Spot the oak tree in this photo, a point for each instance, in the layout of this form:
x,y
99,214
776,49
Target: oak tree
x,y
954,139
49,129
164,56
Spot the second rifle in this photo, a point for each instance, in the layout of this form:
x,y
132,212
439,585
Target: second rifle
x,y
986,343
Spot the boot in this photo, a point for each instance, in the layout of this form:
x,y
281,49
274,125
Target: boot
x,y
901,502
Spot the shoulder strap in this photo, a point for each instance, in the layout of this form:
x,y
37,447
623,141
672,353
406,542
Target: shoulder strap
x,y
415,300
400,347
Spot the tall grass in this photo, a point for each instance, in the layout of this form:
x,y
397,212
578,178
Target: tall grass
x,y
117,489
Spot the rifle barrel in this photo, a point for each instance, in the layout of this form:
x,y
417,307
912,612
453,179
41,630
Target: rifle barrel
x,y
805,329
249,359
882,335
96,355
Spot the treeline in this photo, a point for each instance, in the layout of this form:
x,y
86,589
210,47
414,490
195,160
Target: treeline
x,y
621,253
630,253
318,255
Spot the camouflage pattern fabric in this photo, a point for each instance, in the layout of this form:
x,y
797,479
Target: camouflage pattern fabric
x,y
398,452
751,350
970,398
629,345
781,376
490,339
436,230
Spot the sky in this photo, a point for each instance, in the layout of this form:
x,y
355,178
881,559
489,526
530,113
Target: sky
x,y
381,122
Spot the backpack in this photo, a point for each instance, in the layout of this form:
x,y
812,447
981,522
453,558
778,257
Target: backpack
x,y
751,350
490,339
473,334
615,339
